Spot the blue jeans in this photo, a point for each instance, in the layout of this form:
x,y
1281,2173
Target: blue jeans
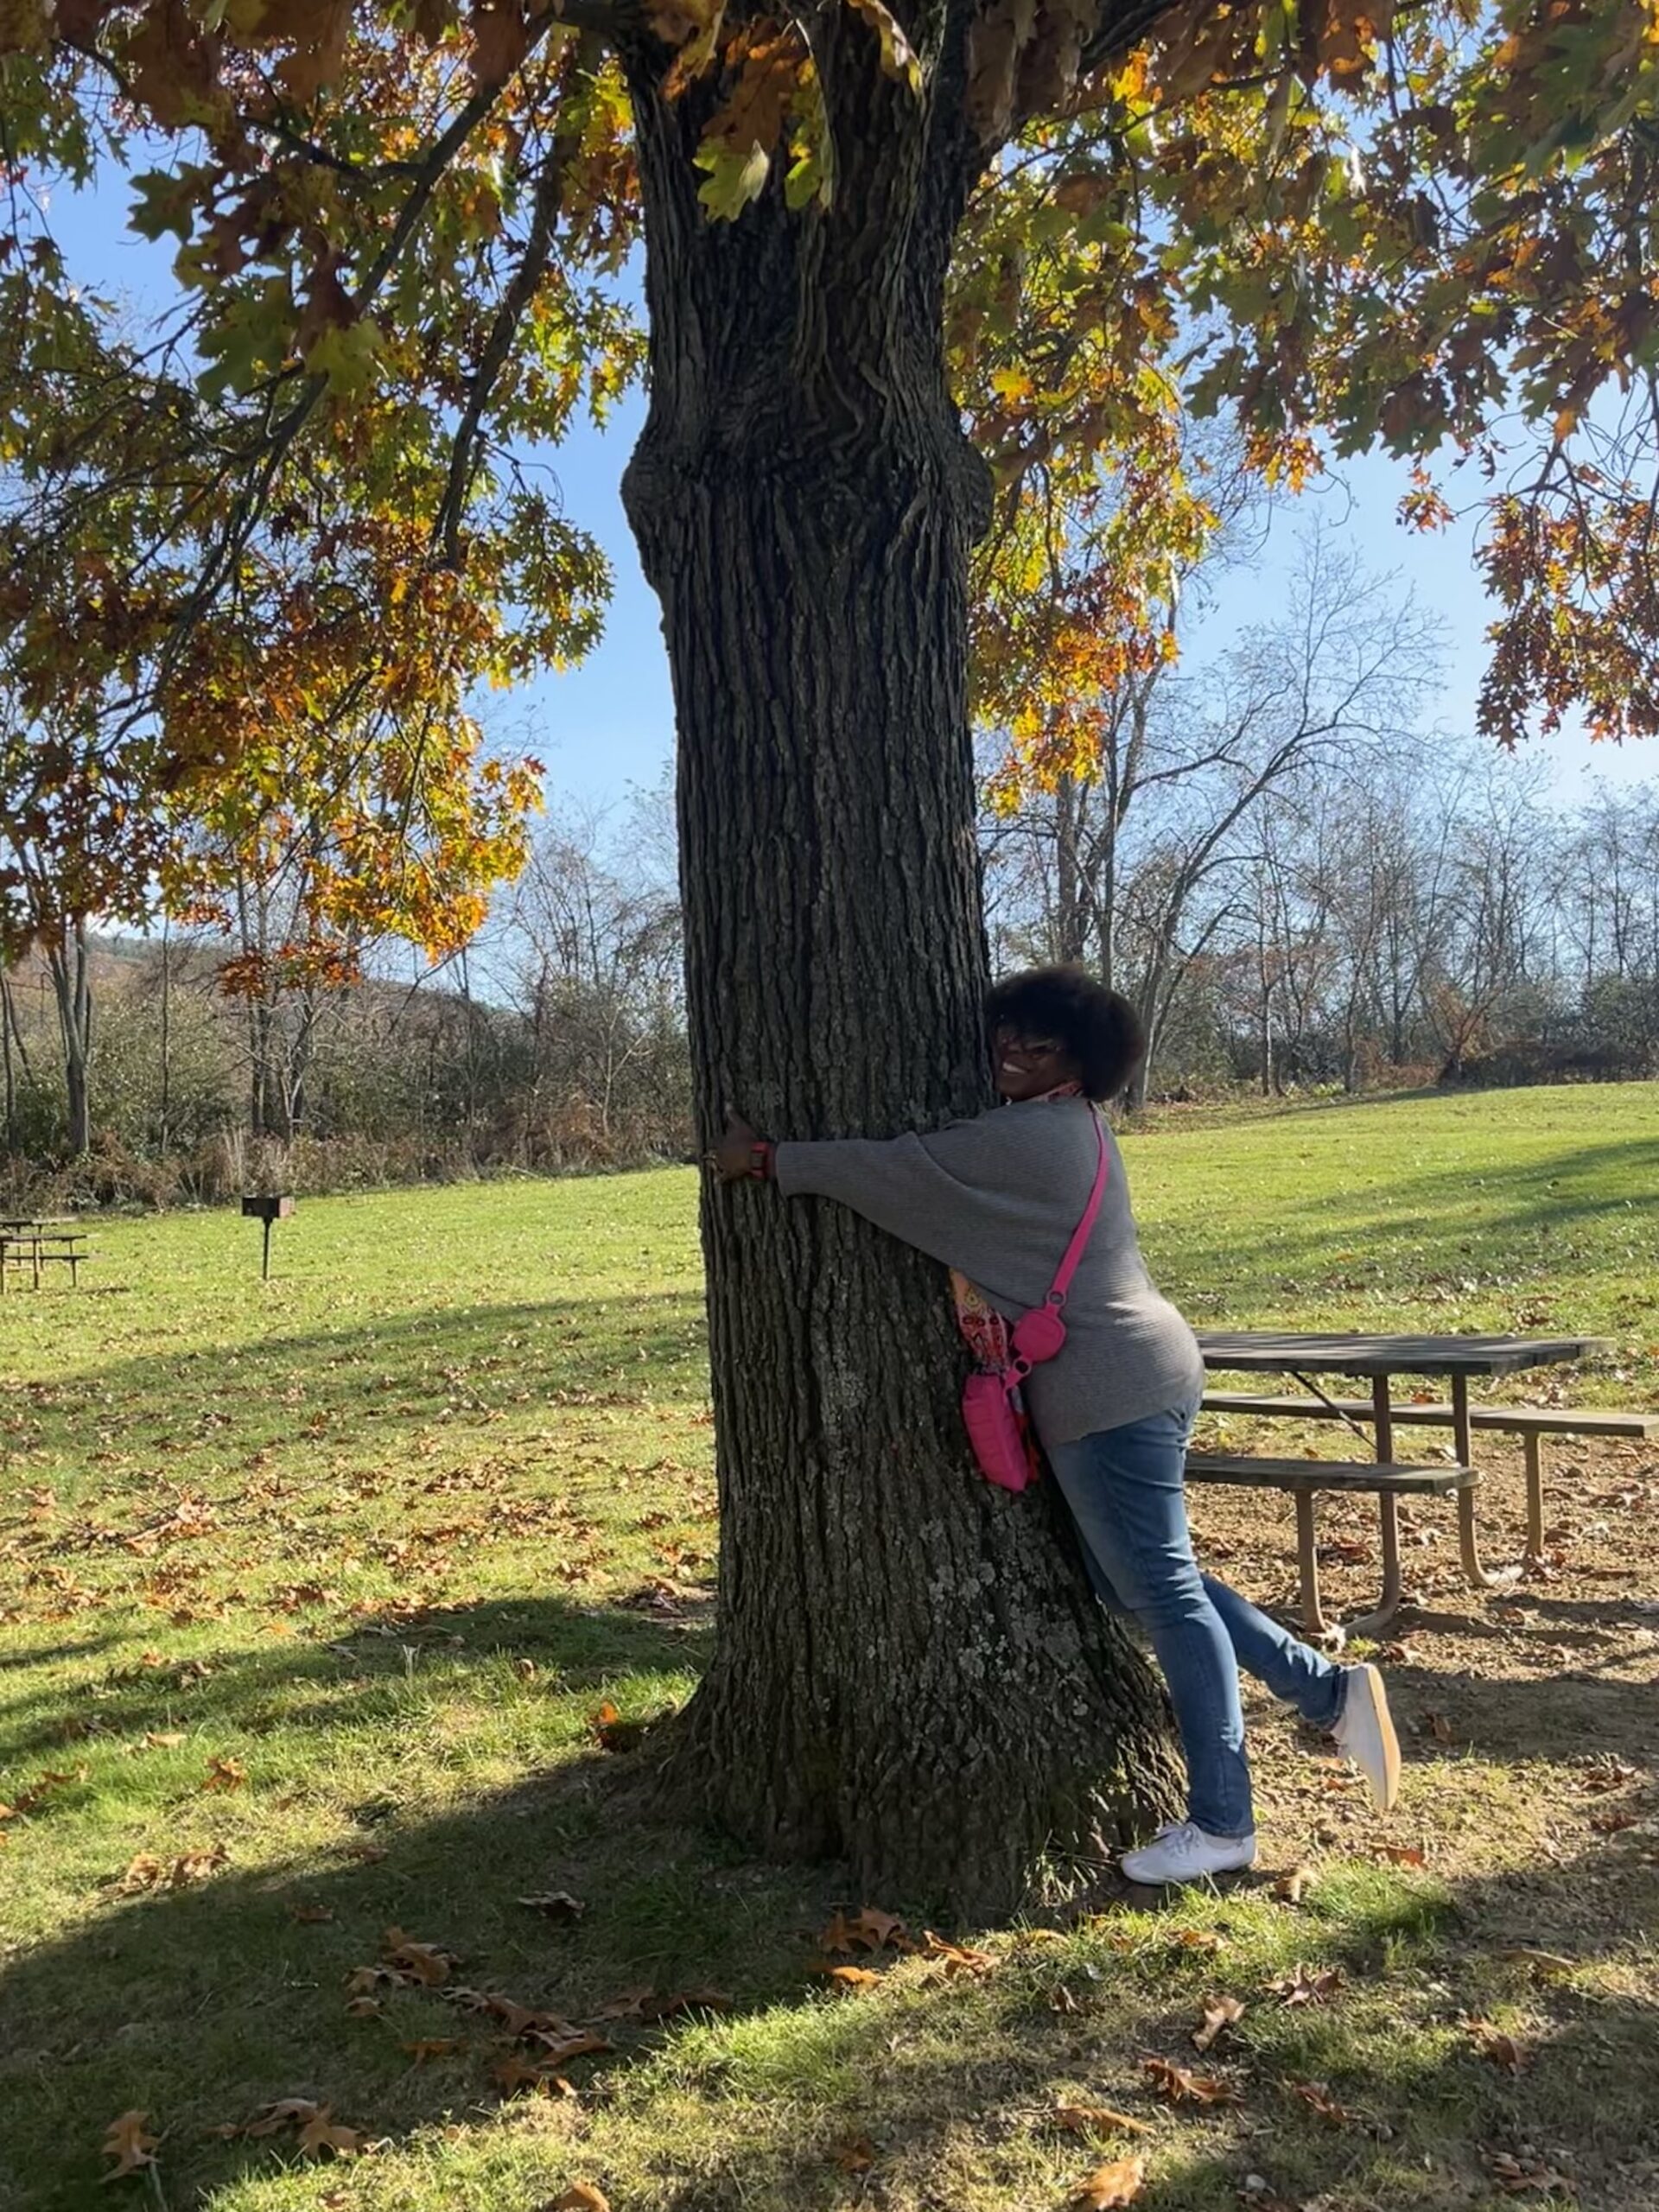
x,y
1126,1490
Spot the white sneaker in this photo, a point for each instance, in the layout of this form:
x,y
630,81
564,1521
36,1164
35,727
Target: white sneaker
x,y
1182,1852
1365,1733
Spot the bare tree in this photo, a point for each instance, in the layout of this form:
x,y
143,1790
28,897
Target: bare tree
x,y
1142,869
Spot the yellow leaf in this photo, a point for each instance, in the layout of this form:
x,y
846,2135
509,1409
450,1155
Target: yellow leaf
x,y
1119,2182
897,54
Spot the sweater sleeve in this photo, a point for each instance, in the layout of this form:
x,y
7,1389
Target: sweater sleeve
x,y
934,1191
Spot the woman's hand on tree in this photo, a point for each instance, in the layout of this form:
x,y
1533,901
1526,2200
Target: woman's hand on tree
x,y
732,1156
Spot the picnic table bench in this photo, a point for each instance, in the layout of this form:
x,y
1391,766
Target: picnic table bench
x,y
1379,1359
1532,1424
34,1244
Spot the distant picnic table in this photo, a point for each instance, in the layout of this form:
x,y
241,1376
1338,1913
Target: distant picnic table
x,y
29,1242
1378,1360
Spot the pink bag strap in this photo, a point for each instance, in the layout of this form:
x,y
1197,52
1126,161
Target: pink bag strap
x,y
1080,1234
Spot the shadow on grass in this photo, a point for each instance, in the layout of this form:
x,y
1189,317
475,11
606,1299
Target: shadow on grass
x,y
296,1683
201,2006
382,1380
1430,1214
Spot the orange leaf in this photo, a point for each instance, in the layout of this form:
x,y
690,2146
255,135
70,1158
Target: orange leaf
x,y
868,1930
1491,2043
954,1957
127,2142
1079,2120
1119,2182
320,2133
1220,2013
226,1774
1320,2099
559,2049
1183,2088
846,1977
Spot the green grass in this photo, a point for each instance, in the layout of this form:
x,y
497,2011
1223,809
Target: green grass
x,y
385,1532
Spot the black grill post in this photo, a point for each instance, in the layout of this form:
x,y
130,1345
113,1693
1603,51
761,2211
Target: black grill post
x,y
266,1209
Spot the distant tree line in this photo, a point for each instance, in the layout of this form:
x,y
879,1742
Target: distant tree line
x,y
556,1041
1297,887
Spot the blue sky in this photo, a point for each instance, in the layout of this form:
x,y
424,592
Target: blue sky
x,y
609,723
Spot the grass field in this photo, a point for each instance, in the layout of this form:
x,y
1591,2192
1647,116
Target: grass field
x,y
310,1592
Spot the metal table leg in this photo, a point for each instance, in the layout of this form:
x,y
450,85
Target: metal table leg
x,y
1477,1576
1387,1514
1533,1444
1307,1551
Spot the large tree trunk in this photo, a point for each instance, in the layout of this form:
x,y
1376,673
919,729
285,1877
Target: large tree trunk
x,y
911,1672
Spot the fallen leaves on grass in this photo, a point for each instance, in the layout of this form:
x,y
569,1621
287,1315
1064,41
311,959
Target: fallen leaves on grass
x,y
128,2143
1523,2173
1082,2119
224,1774
1540,1962
321,2133
611,1731
954,1958
417,1963
868,1930
1317,2096
1303,1986
514,2073
314,2127
555,1905
517,2019
30,1800
845,1978
1119,2182
1198,1939
559,2050
1221,2014
1604,1774
643,2004
149,1872
1182,2088
1492,2043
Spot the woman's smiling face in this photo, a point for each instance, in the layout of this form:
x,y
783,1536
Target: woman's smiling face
x,y
1026,1067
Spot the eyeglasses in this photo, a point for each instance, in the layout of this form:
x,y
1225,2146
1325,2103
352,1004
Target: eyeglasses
x,y
1039,1048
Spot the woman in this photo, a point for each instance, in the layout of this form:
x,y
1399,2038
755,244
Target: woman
x,y
998,1198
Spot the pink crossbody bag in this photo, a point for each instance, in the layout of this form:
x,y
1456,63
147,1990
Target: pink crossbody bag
x,y
998,1425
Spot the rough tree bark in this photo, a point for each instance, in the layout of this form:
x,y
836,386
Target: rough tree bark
x,y
911,1672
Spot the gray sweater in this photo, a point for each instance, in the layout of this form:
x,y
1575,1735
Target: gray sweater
x,y
998,1197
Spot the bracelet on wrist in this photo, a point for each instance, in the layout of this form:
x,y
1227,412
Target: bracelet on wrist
x,y
760,1157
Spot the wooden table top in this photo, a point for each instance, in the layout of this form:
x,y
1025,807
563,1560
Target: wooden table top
x,y
1276,1351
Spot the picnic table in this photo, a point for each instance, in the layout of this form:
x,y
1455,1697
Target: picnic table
x,y
38,1240
1380,1359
